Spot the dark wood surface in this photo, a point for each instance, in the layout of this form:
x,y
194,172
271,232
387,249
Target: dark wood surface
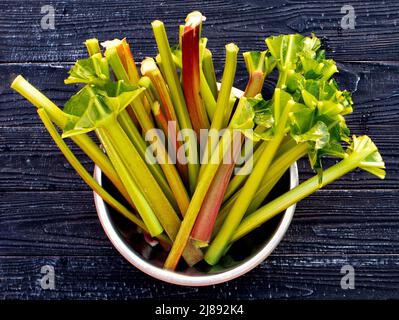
x,y
47,214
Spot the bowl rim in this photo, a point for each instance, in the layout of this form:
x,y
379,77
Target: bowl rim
x,y
191,280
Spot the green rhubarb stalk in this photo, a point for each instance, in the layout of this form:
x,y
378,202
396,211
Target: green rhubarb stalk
x,y
179,197
112,133
159,63
242,174
88,179
150,91
143,118
181,31
152,192
232,101
280,165
207,96
84,142
204,183
209,72
141,146
274,174
363,154
111,53
92,46
221,241
177,96
222,104
240,177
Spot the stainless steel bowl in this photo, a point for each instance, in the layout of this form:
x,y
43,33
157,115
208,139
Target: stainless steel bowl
x,y
191,277
152,265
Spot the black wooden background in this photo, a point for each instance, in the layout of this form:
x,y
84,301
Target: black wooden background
x,y
47,215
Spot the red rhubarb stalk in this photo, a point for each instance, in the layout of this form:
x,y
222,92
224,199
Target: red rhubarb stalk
x,y
205,222
190,41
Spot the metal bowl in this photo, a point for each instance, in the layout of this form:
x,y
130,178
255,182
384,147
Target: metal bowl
x,y
190,276
130,243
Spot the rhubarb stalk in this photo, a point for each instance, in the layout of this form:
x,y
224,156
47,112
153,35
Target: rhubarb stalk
x,y
150,69
362,153
209,72
177,96
210,208
204,183
88,178
203,227
222,104
83,141
191,71
250,187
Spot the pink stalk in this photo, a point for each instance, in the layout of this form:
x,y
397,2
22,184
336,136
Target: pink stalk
x,y
191,71
205,222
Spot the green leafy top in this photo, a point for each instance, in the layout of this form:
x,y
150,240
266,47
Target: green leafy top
x,y
318,115
367,152
285,48
93,70
92,106
100,100
261,61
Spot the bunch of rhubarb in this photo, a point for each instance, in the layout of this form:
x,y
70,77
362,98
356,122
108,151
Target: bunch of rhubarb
x,y
174,142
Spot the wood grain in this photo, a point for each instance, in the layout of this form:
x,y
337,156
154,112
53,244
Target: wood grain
x,y
65,223
375,36
47,214
280,277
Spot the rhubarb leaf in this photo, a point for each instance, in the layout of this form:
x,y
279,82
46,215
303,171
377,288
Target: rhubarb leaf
x,y
243,118
318,135
373,162
285,48
91,107
93,70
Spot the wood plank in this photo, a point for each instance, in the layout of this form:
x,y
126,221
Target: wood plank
x,y
279,277
375,36
328,222
31,161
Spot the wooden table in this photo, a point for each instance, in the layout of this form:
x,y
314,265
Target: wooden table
x,y
47,215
